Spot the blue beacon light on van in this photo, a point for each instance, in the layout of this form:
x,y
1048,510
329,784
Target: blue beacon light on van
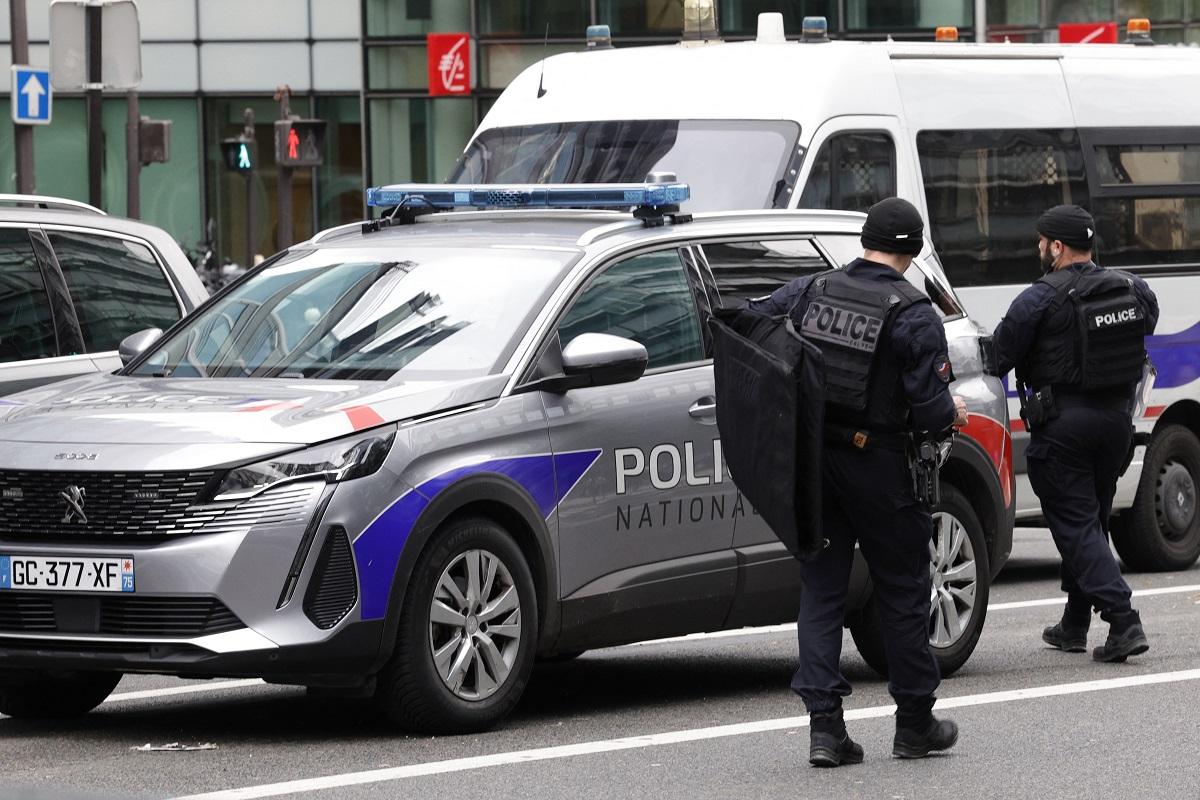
x,y
564,195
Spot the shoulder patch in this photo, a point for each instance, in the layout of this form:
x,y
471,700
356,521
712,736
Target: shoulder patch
x,y
942,368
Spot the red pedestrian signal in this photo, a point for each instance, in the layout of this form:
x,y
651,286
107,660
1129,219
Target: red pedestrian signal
x,y
300,142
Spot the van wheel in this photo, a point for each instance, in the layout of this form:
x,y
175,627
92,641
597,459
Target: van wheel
x,y
55,694
959,593
1161,532
466,636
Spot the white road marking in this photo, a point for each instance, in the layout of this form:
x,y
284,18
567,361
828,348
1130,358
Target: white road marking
x,y
789,627
669,738
197,688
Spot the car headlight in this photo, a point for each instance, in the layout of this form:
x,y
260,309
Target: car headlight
x,y
339,460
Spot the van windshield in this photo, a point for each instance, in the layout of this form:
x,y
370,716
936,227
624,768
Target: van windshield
x,y
729,164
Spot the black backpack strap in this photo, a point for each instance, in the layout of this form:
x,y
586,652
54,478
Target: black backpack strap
x,y
807,287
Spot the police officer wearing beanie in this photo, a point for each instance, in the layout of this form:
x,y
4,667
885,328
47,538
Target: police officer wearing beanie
x,y
887,375
1076,339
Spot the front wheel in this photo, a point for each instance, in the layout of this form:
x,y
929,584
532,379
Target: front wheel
x,y
959,591
467,633
1161,533
54,694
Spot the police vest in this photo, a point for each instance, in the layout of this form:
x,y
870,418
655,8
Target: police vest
x,y
1097,341
850,320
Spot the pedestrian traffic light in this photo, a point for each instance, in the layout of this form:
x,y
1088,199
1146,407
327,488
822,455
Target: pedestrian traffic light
x,y
239,154
300,142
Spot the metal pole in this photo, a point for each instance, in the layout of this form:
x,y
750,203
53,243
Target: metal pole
x,y
248,131
22,134
95,104
981,20
284,187
133,157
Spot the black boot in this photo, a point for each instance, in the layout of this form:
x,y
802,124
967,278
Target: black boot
x,y
918,742
1125,637
1070,633
828,743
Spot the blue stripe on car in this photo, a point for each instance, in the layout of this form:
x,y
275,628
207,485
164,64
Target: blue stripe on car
x,y
547,478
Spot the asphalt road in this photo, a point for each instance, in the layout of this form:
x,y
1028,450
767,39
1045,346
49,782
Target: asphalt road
x,y
707,717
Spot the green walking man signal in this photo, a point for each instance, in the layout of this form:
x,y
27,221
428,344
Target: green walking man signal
x,y
239,154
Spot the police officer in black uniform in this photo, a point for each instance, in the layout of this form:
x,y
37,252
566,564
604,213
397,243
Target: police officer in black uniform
x,y
887,375
1076,339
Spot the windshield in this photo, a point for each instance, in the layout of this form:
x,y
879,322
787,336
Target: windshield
x,y
432,313
738,164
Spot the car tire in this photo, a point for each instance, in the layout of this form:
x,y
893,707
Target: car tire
x,y
447,629
961,580
1161,532
56,694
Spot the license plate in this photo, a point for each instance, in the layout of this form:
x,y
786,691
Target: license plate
x,y
66,573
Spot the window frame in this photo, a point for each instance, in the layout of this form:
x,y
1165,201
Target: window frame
x,y
163,269
1091,138
550,342
816,149
810,237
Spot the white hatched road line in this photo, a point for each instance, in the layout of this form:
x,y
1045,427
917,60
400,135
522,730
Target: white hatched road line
x,y
669,738
789,627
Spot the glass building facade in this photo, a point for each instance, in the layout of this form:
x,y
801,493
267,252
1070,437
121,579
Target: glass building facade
x,y
362,66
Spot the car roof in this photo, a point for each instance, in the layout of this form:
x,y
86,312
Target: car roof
x,y
577,230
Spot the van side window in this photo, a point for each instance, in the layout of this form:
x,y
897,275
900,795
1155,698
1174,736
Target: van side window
x,y
645,298
985,190
745,270
853,171
117,287
26,325
1145,197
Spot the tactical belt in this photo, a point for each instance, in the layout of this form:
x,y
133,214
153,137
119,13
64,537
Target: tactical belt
x,y
1099,402
865,440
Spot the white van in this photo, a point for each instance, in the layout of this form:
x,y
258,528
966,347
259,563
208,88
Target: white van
x,y
981,137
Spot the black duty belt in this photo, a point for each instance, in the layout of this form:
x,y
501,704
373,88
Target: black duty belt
x,y
1099,402
864,439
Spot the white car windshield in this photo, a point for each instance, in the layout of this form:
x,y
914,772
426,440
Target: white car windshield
x,y
426,313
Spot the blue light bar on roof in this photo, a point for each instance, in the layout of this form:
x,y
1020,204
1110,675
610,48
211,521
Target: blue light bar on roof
x,y
528,195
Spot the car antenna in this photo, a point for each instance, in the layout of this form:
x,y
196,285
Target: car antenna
x,y
545,47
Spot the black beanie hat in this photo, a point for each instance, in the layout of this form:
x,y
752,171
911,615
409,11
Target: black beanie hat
x,y
1071,225
893,226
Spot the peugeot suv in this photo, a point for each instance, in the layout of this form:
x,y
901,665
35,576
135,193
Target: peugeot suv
x,y
406,460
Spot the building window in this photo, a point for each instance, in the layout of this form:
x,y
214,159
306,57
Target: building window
x,y
641,17
907,14
397,68
418,139
1078,11
740,17
340,180
530,18
397,18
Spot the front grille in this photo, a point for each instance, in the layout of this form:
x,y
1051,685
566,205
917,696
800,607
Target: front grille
x,y
141,616
33,504
333,590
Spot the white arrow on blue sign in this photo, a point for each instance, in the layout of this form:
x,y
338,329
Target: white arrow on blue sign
x,y
30,95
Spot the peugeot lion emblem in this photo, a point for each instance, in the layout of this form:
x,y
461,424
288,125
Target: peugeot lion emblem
x,y
74,496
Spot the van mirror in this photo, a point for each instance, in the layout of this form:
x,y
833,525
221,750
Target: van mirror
x,y
135,344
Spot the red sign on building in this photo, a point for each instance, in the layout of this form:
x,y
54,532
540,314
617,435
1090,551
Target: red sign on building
x,y
449,60
1087,32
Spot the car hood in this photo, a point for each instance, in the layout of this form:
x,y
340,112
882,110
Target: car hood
x,y
113,409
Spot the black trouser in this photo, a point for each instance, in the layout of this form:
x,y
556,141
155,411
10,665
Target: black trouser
x,y
868,498
1074,463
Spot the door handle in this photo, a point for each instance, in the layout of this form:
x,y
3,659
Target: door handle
x,y
704,407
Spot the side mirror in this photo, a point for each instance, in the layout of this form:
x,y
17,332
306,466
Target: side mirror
x,y
598,359
135,344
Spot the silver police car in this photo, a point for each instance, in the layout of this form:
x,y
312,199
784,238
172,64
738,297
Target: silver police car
x,y
407,458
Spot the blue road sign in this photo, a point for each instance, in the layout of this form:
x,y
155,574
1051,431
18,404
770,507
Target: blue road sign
x,y
30,95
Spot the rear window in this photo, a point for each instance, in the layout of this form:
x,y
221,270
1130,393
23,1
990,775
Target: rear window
x,y
729,164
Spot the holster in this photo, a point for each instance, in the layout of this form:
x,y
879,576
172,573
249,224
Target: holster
x,y
1037,407
924,463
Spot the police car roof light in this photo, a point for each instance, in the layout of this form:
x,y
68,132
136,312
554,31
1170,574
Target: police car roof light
x,y
496,196
814,29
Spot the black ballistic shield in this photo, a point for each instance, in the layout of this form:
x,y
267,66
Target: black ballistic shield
x,y
770,412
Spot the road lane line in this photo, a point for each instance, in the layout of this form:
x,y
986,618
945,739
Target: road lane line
x,y
146,694
788,627
668,738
